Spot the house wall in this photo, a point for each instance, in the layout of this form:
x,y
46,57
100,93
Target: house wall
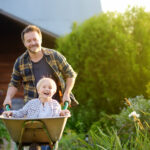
x,y
11,47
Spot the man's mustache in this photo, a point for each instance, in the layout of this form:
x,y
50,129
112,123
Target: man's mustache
x,y
36,45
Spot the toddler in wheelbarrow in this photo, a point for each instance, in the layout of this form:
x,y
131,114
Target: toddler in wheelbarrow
x,y
41,121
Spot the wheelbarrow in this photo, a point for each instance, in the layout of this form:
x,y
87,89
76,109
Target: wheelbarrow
x,y
42,131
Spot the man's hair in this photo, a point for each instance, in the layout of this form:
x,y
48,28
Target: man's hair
x,y
30,28
51,81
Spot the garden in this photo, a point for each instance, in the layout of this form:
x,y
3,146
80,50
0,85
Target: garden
x,y
111,54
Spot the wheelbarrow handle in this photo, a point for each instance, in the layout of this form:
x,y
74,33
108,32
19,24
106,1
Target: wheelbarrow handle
x,y
7,106
66,103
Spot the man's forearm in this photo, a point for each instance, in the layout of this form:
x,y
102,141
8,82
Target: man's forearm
x,y
69,85
11,92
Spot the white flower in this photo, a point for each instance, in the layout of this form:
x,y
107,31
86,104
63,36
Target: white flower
x,y
134,114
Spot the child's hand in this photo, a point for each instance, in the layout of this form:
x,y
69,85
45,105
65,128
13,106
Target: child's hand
x,y
7,113
65,112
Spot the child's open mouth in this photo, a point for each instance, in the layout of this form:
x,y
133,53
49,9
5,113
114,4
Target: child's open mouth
x,y
46,93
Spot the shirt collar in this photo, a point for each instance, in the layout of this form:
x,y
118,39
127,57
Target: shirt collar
x,y
44,50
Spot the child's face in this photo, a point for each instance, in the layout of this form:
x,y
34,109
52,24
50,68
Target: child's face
x,y
46,90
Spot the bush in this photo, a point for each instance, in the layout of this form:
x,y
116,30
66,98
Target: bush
x,y
70,140
110,53
121,131
3,132
122,122
112,141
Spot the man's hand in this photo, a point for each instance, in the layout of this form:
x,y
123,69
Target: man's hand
x,y
7,101
10,94
69,86
66,97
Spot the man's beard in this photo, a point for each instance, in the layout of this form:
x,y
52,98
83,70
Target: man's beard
x,y
35,50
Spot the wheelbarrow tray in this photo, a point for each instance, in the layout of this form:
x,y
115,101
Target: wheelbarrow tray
x,y
34,132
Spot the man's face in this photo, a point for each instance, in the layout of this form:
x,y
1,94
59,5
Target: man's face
x,y
32,41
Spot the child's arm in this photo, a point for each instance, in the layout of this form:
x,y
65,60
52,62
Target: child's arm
x,y
7,113
21,112
56,109
17,113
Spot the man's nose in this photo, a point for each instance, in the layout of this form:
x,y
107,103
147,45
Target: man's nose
x,y
32,42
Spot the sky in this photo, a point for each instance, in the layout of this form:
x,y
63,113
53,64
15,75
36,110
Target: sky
x,y
121,5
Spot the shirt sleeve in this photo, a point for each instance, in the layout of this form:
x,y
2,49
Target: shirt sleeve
x,y
65,68
21,112
15,77
56,109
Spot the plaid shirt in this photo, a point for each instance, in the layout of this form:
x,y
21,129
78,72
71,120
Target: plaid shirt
x,y
23,74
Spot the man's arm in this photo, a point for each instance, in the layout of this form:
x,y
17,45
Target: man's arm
x,y
14,84
68,73
10,94
69,86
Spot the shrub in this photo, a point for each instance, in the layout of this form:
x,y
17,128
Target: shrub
x,y
112,141
70,140
121,131
3,132
110,53
122,122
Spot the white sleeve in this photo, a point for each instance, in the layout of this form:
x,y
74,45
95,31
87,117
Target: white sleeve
x,y
56,109
21,112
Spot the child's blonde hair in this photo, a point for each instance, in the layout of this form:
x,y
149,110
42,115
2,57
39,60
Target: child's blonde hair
x,y
51,81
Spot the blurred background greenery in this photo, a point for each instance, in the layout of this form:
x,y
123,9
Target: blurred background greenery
x,y
111,54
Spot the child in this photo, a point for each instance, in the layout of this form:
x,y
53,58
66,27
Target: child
x,y
42,107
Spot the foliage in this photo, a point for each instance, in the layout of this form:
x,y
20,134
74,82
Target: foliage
x,y
3,132
106,121
110,52
117,132
122,122
81,118
122,131
70,140
112,141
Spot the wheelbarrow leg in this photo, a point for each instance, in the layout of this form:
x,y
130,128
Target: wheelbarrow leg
x,y
20,140
19,148
55,146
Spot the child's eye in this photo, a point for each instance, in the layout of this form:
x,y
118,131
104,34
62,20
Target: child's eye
x,y
34,39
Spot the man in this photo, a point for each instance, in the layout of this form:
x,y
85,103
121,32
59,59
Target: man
x,y
37,62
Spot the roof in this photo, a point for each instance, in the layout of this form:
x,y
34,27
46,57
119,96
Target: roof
x,y
54,16
22,22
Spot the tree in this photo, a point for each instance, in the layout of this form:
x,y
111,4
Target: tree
x,y
111,55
